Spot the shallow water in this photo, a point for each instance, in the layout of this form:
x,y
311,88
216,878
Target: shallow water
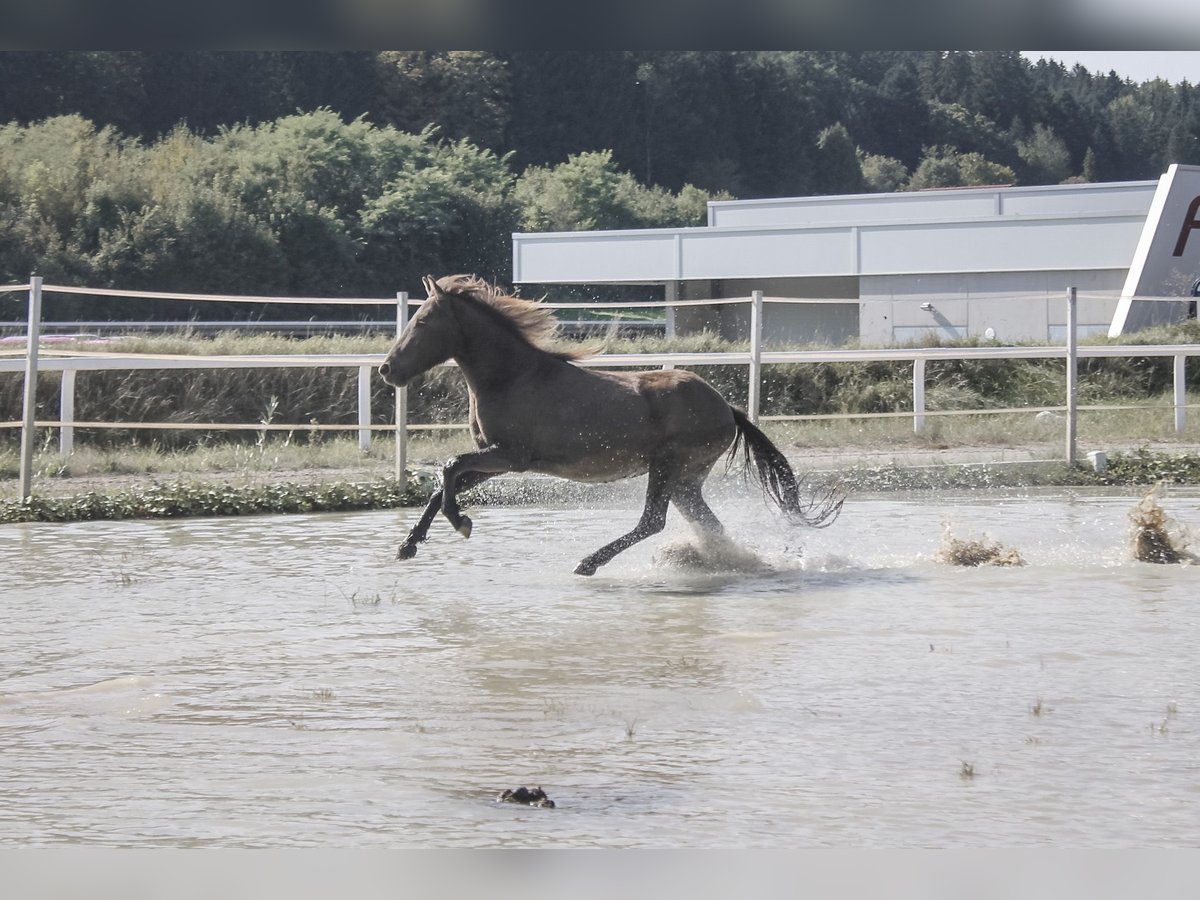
x,y
284,681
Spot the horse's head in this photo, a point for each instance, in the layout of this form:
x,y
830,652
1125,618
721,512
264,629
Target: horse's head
x,y
431,337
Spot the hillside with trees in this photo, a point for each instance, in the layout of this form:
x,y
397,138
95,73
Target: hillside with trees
x,y
353,173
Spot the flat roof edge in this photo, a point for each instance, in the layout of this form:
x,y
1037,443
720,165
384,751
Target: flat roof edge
x,y
913,195
716,230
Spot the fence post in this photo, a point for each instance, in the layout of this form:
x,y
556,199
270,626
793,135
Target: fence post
x,y
1072,373
918,392
364,407
1180,393
401,396
756,330
670,295
66,413
29,407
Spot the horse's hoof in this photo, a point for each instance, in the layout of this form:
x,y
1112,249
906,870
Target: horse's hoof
x,y
406,551
464,527
585,568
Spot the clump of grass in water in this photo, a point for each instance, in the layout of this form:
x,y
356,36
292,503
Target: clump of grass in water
x,y
1156,537
981,552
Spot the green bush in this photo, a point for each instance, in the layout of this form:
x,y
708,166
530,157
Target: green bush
x,y
207,499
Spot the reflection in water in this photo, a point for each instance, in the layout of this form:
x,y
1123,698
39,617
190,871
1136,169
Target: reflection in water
x,y
283,681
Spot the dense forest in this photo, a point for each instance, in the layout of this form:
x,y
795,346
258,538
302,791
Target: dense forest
x,y
352,173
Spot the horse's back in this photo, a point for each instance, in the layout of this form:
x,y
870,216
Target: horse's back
x,y
673,389
696,421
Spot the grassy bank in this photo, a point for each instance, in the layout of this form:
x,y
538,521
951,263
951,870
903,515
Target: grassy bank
x,y
182,495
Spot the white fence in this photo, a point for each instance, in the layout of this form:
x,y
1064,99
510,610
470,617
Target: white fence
x,y
35,359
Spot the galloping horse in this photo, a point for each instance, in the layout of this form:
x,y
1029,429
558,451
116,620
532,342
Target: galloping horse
x,y
532,410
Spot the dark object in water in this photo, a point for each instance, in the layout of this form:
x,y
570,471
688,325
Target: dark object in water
x,y
1154,546
527,796
1156,538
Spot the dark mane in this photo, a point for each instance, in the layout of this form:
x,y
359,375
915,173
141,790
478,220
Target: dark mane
x,y
528,318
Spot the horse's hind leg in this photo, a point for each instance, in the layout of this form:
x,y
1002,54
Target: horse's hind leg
x,y
654,519
419,532
689,500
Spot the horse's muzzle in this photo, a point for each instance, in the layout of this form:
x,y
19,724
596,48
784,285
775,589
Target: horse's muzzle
x,y
390,377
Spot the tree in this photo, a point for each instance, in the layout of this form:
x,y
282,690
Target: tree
x,y
570,101
777,119
976,170
448,208
1000,85
1135,137
590,192
957,126
1045,155
882,174
838,169
951,81
904,111
946,167
466,93
939,167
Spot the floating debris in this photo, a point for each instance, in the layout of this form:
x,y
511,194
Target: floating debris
x,y
527,796
981,552
1157,538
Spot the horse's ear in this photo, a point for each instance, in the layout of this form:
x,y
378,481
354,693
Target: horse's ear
x,y
432,287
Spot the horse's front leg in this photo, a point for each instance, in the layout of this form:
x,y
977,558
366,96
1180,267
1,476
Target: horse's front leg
x,y
420,531
417,535
465,471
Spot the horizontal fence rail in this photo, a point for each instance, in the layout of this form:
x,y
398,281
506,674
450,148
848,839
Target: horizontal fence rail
x,y
70,363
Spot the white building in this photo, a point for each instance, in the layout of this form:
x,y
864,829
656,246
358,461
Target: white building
x,y
992,262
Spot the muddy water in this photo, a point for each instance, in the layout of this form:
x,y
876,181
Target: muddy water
x,y
285,682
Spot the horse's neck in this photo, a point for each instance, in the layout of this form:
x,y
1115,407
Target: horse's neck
x,y
492,356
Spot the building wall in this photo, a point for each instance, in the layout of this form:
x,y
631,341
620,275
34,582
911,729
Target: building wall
x,y
1002,306
1016,306
783,324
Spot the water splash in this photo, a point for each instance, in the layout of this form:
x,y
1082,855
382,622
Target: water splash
x,y
710,554
1155,536
978,552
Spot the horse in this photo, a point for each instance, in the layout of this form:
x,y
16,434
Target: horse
x,y
531,409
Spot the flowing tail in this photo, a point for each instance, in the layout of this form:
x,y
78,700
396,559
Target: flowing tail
x,y
772,471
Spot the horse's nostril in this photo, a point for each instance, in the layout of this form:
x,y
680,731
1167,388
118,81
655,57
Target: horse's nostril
x,y
384,368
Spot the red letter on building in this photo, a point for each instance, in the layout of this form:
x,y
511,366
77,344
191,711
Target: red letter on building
x,y
1189,223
